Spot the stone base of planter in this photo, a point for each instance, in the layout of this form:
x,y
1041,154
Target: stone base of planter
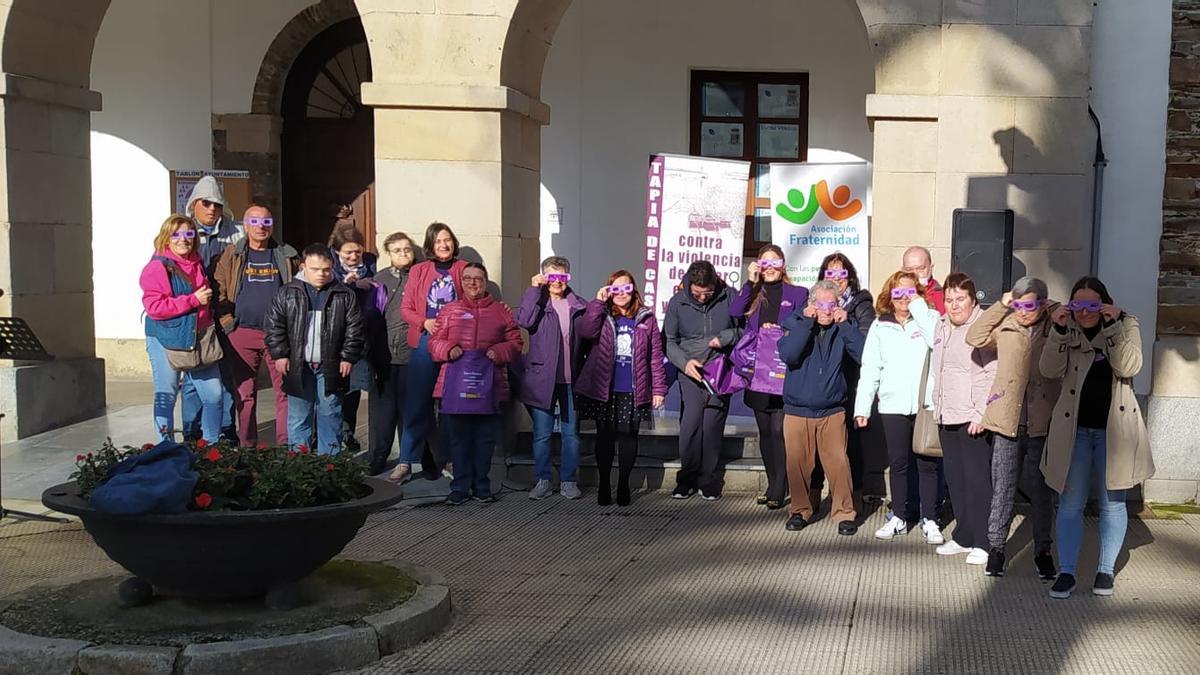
x,y
352,644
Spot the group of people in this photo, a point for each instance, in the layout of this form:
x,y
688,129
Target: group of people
x,y
972,403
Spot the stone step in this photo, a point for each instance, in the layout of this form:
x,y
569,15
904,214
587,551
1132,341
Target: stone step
x,y
741,475
662,441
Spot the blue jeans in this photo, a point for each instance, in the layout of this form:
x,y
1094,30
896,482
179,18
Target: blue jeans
x,y
568,426
472,439
1089,460
328,410
418,403
204,385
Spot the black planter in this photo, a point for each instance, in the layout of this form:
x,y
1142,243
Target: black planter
x,y
224,554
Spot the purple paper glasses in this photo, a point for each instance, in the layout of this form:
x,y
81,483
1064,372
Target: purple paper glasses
x,y
835,275
770,263
1025,305
265,223
904,292
1084,306
558,278
183,234
620,288
823,306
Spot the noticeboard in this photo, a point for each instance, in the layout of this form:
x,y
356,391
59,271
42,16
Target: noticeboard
x,y
235,185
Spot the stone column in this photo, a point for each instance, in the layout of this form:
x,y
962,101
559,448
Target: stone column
x,y
46,253
1175,397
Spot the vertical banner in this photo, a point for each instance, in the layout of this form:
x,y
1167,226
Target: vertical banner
x,y
695,210
817,209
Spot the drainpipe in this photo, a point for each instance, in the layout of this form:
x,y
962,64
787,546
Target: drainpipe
x,y
1098,165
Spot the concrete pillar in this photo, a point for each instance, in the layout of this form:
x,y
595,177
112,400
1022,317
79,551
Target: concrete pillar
x,y
46,253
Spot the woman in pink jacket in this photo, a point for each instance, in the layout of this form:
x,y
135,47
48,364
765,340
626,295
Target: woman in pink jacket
x,y
962,381
176,296
475,337
432,284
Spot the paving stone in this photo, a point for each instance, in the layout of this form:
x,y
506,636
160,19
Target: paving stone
x,y
22,654
127,660
336,648
423,616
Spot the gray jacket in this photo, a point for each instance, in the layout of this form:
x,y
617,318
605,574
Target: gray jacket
x,y
397,328
689,325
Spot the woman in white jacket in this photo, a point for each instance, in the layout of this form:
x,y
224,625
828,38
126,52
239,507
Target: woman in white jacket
x,y
896,352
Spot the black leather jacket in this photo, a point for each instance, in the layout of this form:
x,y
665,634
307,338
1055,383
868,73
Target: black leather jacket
x,y
341,333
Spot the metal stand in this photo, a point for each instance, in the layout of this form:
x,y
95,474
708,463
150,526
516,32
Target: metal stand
x,y
18,342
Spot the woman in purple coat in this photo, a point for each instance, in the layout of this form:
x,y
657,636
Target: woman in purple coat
x,y
622,377
767,298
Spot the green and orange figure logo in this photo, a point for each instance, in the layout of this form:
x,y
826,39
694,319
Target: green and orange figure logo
x,y
838,206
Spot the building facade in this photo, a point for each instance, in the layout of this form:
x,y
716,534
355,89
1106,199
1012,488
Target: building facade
x,y
526,125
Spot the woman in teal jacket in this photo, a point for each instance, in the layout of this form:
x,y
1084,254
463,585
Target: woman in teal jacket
x,y
895,354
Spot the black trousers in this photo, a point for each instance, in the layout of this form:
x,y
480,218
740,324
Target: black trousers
x,y
913,479
774,455
968,466
624,444
387,420
701,433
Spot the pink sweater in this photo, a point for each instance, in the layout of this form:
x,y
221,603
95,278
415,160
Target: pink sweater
x,y
156,290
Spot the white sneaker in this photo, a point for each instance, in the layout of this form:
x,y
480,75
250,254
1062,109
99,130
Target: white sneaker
x,y
933,534
952,548
891,528
977,556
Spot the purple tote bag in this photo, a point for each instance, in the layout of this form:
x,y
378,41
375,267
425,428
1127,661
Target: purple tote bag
x,y
744,354
467,385
769,370
722,377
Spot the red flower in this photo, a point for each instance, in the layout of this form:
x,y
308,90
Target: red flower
x,y
202,444
147,446
291,455
203,500
212,455
302,448
89,455
262,446
79,458
329,468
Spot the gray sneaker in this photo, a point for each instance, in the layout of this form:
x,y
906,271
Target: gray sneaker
x,y
542,490
570,490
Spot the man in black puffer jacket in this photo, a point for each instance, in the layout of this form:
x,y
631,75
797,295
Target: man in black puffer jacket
x,y
315,335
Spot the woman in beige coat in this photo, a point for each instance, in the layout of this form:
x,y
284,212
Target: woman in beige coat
x,y
1097,442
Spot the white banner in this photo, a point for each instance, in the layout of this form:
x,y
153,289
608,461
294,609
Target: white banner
x,y
695,210
817,209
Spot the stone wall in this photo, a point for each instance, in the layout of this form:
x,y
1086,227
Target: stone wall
x,y
1179,272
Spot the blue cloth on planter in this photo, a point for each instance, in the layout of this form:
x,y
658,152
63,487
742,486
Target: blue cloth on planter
x,y
160,480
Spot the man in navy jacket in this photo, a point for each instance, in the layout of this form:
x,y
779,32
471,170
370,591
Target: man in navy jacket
x,y
817,342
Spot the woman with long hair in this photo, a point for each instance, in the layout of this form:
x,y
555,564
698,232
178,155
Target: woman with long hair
x,y
963,377
622,378
178,301
1097,445
766,299
893,360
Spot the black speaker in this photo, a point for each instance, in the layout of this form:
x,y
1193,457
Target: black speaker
x,y
982,248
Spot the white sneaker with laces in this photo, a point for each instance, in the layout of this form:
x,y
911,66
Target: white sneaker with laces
x,y
891,528
951,548
933,534
977,556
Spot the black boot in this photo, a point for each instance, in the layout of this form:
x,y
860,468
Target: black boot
x,y
623,497
995,563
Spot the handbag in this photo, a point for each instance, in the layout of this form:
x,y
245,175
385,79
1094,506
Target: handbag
x,y
467,385
769,370
722,377
925,430
744,353
206,352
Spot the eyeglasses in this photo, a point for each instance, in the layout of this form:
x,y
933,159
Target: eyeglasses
x,y
1084,306
558,278
208,203
473,280
264,223
623,288
183,234
837,274
1025,305
770,263
825,306
904,292
702,293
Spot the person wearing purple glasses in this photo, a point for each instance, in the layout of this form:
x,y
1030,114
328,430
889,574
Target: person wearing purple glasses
x,y
892,365
1018,416
545,375
1097,444
247,276
765,300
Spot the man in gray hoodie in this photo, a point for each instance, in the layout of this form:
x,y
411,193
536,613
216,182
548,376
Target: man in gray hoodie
x,y
214,232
